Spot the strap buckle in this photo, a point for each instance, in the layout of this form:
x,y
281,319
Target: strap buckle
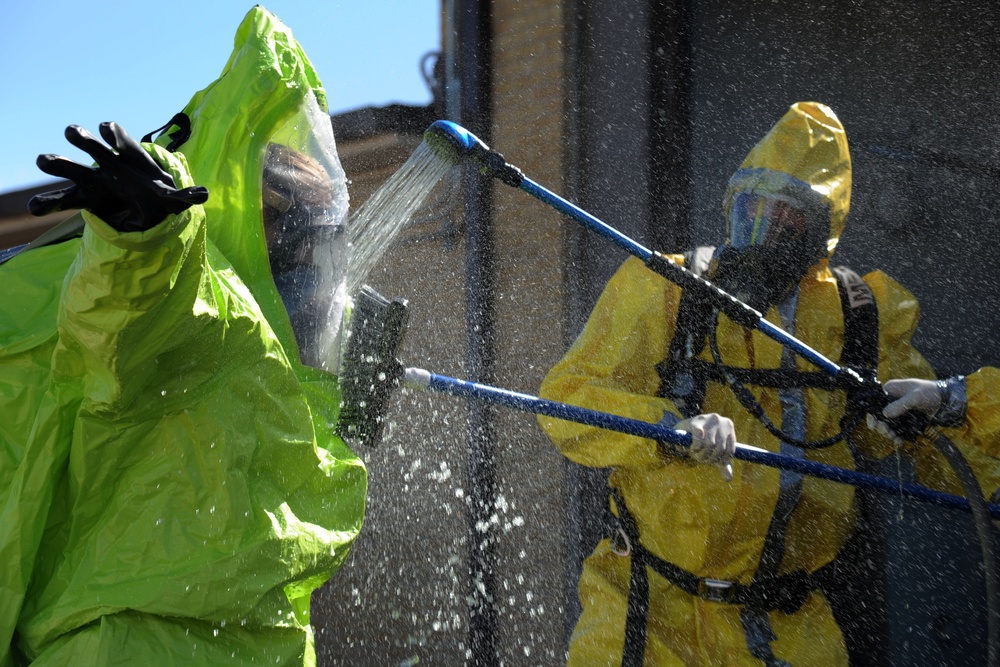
x,y
620,544
716,590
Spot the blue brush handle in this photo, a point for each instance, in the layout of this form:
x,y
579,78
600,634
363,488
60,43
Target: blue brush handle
x,y
526,403
464,144
867,392
736,310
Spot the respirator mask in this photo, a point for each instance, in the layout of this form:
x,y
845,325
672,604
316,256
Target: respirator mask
x,y
772,242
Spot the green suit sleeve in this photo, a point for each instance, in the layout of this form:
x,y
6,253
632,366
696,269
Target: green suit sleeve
x,y
128,298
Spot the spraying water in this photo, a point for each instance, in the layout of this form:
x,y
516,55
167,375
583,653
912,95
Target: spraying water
x,y
379,220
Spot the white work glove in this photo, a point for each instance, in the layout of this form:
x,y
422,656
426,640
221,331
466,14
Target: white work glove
x,y
912,394
942,402
713,440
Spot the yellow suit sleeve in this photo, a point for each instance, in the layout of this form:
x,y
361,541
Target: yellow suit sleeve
x,y
979,437
611,368
982,424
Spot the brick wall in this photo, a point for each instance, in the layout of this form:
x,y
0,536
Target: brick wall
x,y
528,98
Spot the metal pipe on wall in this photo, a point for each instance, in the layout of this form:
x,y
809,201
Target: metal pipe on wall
x,y
468,101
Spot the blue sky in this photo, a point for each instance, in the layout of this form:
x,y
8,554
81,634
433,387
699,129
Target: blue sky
x,y
77,62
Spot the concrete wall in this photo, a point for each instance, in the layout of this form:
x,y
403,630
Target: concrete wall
x,y
912,78
527,109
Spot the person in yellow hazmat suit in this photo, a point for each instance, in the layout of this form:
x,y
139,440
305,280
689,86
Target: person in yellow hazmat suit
x,y
172,485
725,569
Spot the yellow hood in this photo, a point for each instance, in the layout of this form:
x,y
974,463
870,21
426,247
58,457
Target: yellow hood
x,y
805,155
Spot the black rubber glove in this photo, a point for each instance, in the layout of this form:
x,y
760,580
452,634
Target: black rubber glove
x,y
128,189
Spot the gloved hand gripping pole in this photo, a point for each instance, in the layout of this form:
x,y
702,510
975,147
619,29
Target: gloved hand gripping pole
x,y
371,372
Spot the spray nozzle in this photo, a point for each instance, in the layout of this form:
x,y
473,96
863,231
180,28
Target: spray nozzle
x,y
453,142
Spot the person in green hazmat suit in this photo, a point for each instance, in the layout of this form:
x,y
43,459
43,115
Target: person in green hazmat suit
x,y
726,569
173,489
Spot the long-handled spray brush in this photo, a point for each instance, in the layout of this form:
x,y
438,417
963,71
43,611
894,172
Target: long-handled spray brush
x,y
371,371
452,142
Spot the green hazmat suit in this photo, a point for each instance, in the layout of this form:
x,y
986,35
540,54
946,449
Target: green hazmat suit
x,y
171,483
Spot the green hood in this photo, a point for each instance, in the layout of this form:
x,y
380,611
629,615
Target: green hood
x,y
262,89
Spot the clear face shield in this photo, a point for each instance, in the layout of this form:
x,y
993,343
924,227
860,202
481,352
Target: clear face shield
x,y
769,221
773,239
305,202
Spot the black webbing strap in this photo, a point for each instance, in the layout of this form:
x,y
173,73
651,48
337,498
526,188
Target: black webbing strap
x,y
860,320
784,593
634,652
637,608
179,136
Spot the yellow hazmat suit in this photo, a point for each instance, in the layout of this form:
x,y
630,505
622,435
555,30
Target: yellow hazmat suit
x,y
685,512
983,416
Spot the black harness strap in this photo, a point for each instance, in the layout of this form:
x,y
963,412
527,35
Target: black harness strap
x,y
634,651
856,575
179,136
785,593
683,380
683,376
680,379
860,321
